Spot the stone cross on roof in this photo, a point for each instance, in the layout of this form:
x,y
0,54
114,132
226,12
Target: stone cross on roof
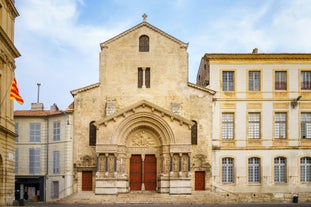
x,y
144,17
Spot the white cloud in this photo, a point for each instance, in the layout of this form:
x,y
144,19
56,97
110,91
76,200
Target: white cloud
x,y
62,53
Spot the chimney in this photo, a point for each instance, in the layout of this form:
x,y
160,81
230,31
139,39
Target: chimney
x,y
37,106
54,108
255,51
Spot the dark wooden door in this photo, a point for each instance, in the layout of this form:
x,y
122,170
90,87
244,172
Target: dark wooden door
x,y
199,180
87,180
135,172
150,172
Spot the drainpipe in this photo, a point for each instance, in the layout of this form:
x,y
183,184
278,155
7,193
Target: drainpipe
x,y
47,157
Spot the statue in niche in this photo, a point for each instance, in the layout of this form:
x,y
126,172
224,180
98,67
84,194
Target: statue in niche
x,y
111,164
176,163
185,163
102,163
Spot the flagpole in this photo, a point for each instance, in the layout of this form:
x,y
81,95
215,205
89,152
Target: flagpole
x,y
6,92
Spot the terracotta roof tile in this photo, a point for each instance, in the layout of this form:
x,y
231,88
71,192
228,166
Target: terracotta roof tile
x,y
39,113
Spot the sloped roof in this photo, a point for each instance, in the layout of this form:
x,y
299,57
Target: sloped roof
x,y
86,88
192,85
144,24
145,104
36,113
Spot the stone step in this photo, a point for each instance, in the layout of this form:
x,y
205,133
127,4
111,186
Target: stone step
x,y
204,197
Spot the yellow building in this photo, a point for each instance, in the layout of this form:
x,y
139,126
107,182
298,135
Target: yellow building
x,y
8,53
261,128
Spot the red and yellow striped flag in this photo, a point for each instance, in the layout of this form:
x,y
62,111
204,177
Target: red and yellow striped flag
x,y
14,93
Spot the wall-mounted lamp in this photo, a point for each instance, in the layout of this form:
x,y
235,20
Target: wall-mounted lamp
x,y
294,103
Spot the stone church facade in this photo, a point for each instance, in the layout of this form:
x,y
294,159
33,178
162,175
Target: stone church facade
x,y
143,126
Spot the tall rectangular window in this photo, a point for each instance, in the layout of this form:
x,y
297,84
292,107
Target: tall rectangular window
x,y
143,79
280,125
254,125
194,133
147,77
140,78
280,170
34,161
56,130
254,170
254,81
306,125
56,162
227,170
227,126
305,169
228,81
280,80
306,80
35,132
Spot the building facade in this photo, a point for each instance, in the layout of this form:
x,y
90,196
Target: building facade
x,y
242,131
143,127
8,53
261,128
43,157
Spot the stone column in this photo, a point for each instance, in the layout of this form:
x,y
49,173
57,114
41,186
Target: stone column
x,y
143,78
180,165
115,166
142,172
189,165
171,163
106,164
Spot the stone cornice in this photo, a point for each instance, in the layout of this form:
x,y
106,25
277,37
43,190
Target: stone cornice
x,y
7,131
258,57
144,24
8,43
13,10
145,104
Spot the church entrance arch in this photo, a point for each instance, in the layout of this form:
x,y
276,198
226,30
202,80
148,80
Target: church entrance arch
x,y
144,145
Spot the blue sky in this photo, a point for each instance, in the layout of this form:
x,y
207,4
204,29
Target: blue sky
x,y
59,39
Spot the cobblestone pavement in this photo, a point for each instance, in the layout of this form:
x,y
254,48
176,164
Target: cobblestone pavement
x,y
165,205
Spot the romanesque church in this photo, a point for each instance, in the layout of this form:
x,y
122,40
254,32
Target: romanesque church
x,y
143,126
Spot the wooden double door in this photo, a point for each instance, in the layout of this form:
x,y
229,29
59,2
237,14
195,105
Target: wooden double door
x,y
143,172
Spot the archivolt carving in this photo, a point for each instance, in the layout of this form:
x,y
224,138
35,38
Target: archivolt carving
x,y
143,137
148,120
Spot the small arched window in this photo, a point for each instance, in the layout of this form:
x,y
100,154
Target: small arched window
x,y
92,134
144,43
194,133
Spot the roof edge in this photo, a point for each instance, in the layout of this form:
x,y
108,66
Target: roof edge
x,y
86,88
